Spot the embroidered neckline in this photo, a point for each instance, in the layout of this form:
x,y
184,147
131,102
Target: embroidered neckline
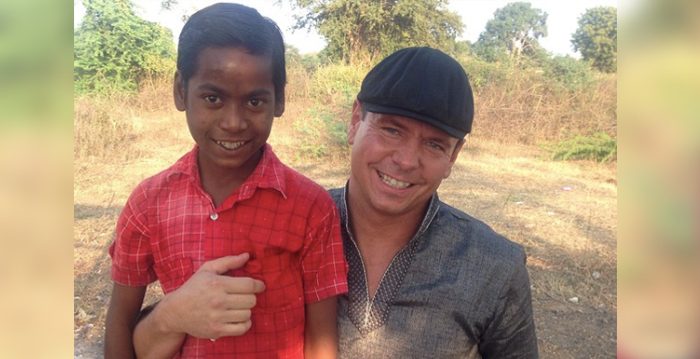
x,y
368,314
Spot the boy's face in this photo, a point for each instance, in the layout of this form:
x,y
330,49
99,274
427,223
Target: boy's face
x,y
230,104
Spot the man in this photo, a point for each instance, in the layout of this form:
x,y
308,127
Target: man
x,y
425,279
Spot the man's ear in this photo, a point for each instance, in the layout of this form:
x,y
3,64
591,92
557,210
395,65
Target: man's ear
x,y
453,157
355,119
179,92
279,104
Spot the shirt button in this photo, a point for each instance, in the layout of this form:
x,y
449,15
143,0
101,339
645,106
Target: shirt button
x,y
214,216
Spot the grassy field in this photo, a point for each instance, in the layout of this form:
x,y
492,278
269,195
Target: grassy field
x,y
563,213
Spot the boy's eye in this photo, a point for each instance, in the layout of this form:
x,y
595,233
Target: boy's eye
x,y
255,102
212,99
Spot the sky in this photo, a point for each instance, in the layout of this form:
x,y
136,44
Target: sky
x,y
562,19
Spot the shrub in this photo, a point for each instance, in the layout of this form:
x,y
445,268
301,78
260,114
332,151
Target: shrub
x,y
482,73
572,74
599,147
337,84
322,131
115,49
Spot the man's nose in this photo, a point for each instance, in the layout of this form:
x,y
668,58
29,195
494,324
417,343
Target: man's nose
x,y
234,120
406,155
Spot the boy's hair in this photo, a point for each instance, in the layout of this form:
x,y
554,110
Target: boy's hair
x,y
231,25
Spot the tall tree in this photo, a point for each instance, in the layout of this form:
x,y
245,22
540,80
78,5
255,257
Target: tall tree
x,y
513,31
361,31
596,37
115,49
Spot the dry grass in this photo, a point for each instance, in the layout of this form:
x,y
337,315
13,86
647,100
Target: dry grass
x,y
526,110
563,213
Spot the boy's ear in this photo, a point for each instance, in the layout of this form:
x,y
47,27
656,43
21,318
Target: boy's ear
x,y
179,92
355,119
279,105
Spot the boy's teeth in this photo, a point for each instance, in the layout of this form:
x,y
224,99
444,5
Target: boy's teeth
x,y
393,182
230,145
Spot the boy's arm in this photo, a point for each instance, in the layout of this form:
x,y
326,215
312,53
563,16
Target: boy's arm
x,y
321,338
151,337
124,307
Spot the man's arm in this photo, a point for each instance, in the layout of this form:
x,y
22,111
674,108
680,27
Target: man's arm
x,y
210,305
321,337
123,310
512,332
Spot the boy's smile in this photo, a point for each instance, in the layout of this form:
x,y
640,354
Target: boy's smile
x,y
230,104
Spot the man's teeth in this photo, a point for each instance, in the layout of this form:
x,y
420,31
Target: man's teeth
x,y
393,182
230,145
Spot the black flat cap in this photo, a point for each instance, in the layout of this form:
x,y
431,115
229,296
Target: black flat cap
x,y
423,84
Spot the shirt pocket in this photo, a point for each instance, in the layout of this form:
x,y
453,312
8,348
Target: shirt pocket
x,y
280,307
174,273
281,273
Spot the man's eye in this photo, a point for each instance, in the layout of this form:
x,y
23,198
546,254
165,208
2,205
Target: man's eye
x,y
390,130
435,146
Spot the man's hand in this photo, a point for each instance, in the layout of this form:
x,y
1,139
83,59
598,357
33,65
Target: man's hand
x,y
211,304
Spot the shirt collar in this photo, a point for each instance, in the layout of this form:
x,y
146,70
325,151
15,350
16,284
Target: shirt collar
x,y
430,214
269,173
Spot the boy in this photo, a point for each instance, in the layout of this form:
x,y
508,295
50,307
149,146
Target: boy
x,y
230,195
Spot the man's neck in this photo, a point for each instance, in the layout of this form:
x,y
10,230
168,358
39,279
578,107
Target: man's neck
x,y
369,222
379,236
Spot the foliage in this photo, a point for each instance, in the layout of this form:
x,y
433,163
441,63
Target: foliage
x,y
360,31
571,73
322,132
596,37
512,32
599,147
337,84
309,62
530,102
115,49
482,73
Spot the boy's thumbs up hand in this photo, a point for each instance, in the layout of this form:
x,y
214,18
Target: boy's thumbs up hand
x,y
211,304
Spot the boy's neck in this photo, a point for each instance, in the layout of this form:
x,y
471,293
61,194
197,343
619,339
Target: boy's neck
x,y
220,182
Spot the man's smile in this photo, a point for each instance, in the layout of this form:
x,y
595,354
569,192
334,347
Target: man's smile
x,y
393,182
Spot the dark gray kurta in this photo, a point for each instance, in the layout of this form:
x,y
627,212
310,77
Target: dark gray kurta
x,y
457,290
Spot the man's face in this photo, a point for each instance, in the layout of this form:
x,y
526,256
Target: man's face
x,y
397,163
230,104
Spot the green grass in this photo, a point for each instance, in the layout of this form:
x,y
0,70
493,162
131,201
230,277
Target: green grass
x,y
599,147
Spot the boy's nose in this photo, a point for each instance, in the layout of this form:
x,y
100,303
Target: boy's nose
x,y
234,120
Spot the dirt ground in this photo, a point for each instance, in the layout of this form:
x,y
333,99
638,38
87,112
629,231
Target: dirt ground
x,y
563,213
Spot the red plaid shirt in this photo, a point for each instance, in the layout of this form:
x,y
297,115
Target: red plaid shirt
x,y
288,224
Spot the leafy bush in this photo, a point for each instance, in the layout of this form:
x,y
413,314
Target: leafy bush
x,y
115,49
481,72
571,73
599,147
337,84
322,131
